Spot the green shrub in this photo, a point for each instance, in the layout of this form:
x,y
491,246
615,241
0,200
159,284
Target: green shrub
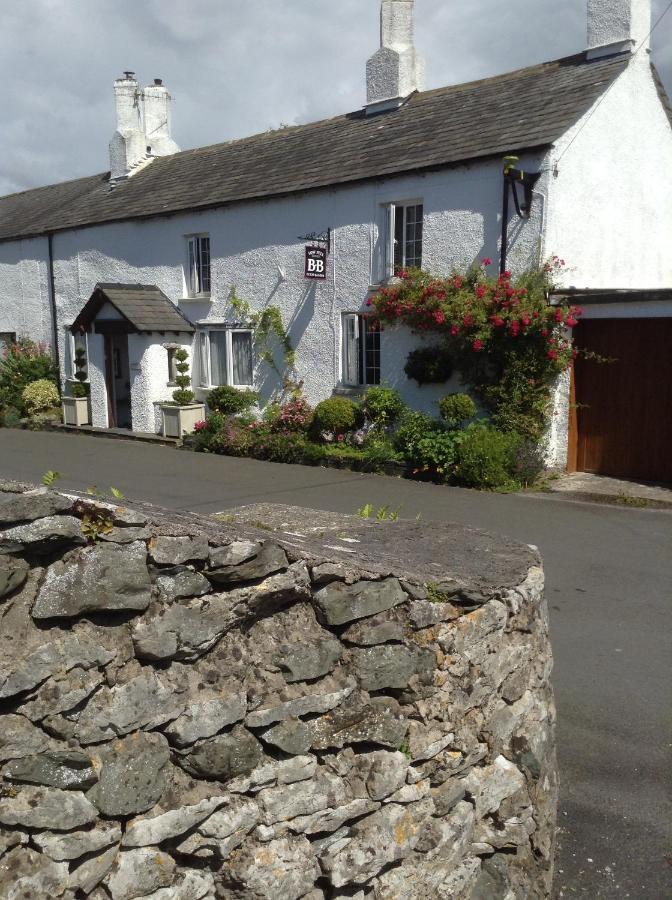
x,y
21,364
79,390
379,452
337,415
183,396
383,405
486,458
429,365
456,409
40,396
414,426
231,401
10,417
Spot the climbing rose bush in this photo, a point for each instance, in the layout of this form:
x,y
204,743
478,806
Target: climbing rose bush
x,y
508,342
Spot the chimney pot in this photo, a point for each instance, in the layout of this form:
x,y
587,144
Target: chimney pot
x,y
158,82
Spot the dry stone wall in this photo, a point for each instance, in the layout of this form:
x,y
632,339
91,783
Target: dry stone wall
x,y
283,704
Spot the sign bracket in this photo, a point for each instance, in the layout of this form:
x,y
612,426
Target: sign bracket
x,y
315,238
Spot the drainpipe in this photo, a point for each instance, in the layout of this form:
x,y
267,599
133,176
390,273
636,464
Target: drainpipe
x,y
52,305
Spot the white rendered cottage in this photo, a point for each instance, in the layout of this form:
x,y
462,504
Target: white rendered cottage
x,y
414,178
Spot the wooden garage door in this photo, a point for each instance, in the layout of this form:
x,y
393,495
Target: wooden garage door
x,y
623,421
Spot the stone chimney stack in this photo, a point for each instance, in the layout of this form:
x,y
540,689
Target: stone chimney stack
x,y
617,26
396,70
157,120
128,146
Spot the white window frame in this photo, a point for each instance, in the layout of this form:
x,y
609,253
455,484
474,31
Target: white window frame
x,y
196,264
351,324
72,346
205,359
392,210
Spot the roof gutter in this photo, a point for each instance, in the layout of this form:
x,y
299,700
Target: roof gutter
x,y
52,303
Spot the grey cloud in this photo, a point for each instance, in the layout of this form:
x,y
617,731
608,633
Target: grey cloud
x,y
236,67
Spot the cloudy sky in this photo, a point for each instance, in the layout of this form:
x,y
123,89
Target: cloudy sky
x,y
236,67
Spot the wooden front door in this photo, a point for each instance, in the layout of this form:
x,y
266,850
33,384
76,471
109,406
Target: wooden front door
x,y
622,425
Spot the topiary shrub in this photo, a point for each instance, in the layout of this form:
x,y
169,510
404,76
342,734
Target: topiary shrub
x,y
40,396
487,458
183,396
230,401
456,409
429,365
383,405
336,415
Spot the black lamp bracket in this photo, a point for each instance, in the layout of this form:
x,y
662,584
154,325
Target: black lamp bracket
x,y
314,238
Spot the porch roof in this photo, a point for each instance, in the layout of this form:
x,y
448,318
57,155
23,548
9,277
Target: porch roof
x,y
143,308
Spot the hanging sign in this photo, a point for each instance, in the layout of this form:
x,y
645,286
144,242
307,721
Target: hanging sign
x,y
316,263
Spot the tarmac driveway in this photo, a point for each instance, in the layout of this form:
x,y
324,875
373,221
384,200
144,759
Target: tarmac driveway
x,y
609,585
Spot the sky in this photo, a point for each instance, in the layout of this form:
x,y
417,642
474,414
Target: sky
x,y
237,67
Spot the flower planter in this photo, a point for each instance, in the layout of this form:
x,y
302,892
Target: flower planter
x,y
76,411
180,420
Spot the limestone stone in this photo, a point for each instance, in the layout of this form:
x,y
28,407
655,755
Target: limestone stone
x,y
188,884
226,756
207,717
76,844
291,736
305,662
10,839
131,779
410,793
20,738
447,795
40,807
283,868
489,785
425,613
27,875
87,876
137,873
279,804
143,702
233,554
103,578
32,505
59,653
147,831
340,603
359,723
188,630
439,880
236,815
300,700
392,666
43,536
379,629
13,574
426,741
182,584
329,820
269,559
175,551
387,836
287,771
128,518
377,775
65,769
61,693
125,535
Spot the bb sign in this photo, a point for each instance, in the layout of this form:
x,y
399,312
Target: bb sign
x,y
316,263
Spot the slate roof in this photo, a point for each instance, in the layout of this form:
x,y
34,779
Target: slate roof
x,y
144,308
523,110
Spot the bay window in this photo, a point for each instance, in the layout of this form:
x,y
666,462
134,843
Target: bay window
x,y
225,357
361,350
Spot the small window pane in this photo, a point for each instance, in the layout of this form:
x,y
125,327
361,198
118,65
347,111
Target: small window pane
x,y
351,355
218,357
204,368
204,273
371,353
241,348
398,238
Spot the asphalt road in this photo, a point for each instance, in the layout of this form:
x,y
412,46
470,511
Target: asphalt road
x,y
609,585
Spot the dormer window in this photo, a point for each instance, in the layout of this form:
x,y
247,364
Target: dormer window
x,y
405,222
198,271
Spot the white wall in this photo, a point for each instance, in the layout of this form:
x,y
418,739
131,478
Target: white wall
x,y
610,210
24,289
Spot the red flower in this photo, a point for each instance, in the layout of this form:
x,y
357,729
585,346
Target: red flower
x,y
525,320
571,323
559,315
477,345
535,315
487,262
454,330
544,332
480,292
552,354
340,437
497,321
467,321
507,274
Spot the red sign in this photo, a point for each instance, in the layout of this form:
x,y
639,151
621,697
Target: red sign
x,y
316,263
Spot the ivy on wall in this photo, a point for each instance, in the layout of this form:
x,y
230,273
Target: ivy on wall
x,y
266,324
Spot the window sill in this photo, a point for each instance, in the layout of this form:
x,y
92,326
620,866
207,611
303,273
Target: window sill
x,y
197,298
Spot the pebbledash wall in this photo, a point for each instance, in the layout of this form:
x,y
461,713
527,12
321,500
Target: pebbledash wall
x,y
198,709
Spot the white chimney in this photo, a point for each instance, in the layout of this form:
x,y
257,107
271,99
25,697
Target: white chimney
x,y
157,120
395,71
617,26
128,146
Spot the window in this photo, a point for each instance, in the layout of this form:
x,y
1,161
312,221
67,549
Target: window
x,y
405,234
361,351
73,343
225,357
172,365
198,276
6,338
